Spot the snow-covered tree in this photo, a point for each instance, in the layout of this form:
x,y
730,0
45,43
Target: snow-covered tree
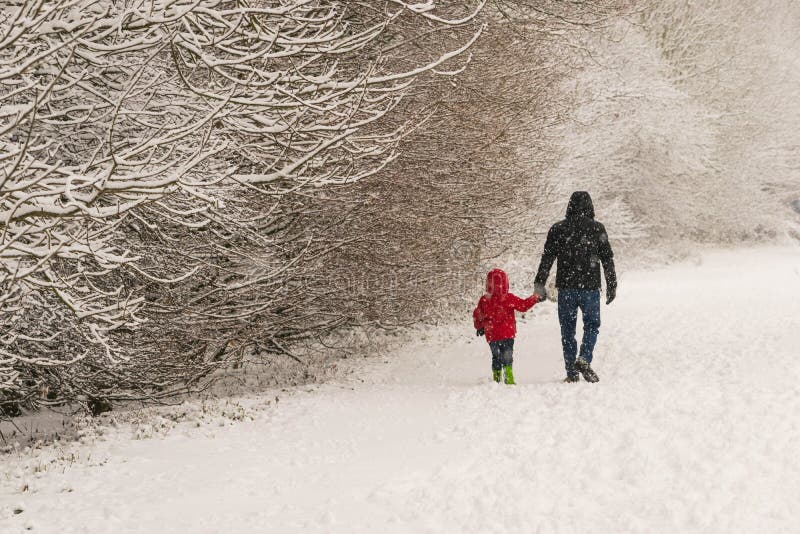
x,y
120,117
682,121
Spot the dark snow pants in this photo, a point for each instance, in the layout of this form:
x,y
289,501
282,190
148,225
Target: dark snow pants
x,y
502,353
569,302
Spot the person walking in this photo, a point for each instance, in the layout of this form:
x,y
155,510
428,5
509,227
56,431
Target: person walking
x,y
494,318
580,245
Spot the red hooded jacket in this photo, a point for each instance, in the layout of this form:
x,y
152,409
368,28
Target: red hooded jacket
x,y
495,311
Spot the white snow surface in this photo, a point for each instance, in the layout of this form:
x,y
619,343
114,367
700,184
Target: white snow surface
x,y
693,427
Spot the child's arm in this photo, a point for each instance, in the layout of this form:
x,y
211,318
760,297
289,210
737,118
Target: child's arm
x,y
523,305
477,316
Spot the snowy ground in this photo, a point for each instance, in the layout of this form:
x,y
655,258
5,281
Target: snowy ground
x,y
694,427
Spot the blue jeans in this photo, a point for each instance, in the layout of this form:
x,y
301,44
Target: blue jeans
x,y
569,301
502,353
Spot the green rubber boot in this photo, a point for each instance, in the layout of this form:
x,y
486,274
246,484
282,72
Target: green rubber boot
x,y
509,376
497,375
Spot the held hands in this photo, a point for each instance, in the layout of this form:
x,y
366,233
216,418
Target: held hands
x,y
540,291
479,332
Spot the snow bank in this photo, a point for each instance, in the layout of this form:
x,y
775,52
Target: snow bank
x,y
694,427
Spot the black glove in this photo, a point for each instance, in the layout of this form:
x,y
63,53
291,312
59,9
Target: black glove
x,y
611,294
479,332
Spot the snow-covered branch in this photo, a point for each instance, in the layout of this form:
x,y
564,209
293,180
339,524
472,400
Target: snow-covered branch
x,y
117,116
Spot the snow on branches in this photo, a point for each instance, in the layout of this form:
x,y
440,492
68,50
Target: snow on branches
x,y
137,114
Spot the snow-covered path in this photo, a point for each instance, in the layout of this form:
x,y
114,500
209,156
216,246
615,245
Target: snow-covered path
x,y
694,427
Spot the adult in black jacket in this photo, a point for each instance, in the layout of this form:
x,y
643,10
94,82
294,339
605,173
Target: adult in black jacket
x,y
580,245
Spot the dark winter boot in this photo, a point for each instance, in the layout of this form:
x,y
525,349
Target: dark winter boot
x,y
571,379
588,374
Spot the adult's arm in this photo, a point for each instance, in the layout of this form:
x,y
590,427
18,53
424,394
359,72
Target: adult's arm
x,y
607,259
548,258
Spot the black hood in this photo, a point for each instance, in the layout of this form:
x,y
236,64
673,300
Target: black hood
x,y
580,206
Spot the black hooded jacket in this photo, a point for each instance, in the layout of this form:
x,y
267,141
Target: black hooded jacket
x,y
580,244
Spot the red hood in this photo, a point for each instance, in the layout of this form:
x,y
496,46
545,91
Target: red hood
x,y
496,283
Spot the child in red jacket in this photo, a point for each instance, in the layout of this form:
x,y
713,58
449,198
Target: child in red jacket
x,y
494,317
